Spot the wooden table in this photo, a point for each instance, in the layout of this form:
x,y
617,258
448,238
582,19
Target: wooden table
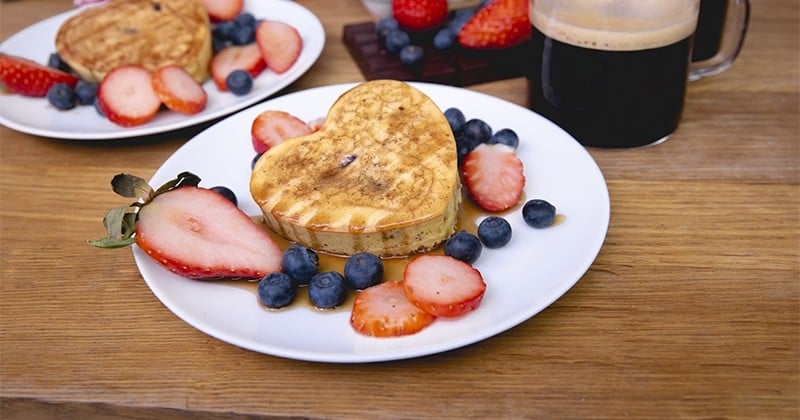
x,y
691,309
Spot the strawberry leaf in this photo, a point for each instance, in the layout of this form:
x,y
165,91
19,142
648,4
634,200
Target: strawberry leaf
x,y
183,179
120,225
132,186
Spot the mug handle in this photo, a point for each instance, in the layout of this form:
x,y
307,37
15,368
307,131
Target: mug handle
x,y
731,44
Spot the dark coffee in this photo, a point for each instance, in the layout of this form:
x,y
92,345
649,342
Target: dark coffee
x,y
710,24
610,97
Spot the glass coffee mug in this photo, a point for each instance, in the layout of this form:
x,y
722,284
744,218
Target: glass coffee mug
x,y
613,73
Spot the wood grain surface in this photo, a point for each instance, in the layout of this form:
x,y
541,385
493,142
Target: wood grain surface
x,y
691,309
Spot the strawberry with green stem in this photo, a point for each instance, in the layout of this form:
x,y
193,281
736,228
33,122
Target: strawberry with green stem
x,y
189,230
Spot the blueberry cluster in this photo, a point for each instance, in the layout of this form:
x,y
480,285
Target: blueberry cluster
x,y
398,41
63,96
239,31
493,231
326,290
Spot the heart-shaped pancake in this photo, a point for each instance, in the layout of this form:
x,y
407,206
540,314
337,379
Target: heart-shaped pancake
x,y
379,176
149,33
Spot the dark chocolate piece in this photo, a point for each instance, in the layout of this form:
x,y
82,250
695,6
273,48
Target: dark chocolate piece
x,y
457,66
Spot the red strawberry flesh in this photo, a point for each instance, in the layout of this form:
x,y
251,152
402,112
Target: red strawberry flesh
x,y
29,78
126,96
272,127
443,286
494,177
499,24
236,57
280,44
384,311
419,14
199,234
178,90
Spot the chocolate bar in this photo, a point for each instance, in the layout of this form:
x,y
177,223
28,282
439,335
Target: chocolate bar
x,y
456,66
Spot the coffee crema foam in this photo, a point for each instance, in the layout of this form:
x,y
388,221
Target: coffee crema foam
x,y
636,25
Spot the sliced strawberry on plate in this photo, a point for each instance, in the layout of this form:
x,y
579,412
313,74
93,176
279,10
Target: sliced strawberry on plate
x,y
223,10
494,177
126,96
280,44
419,14
29,78
499,24
272,127
236,57
191,231
178,90
384,311
443,286
316,123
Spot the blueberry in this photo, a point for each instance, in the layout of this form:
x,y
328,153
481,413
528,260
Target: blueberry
x,y
300,263
243,35
505,136
363,270
247,20
386,25
538,213
494,232
62,96
97,107
460,17
224,30
218,44
227,193
464,145
444,39
456,119
463,246
276,290
255,159
327,290
411,55
86,92
478,130
239,82
396,39
56,62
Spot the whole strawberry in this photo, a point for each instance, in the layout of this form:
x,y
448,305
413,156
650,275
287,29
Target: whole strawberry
x,y
419,14
499,24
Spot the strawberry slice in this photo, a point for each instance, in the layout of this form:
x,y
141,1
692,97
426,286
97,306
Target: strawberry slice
x,y
280,44
178,90
494,177
126,96
443,286
499,24
236,57
223,10
419,15
384,311
197,233
29,78
272,127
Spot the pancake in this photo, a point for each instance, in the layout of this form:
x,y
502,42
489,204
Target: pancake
x,y
149,33
379,176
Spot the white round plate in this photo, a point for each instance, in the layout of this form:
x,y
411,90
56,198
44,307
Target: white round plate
x,y
537,267
36,116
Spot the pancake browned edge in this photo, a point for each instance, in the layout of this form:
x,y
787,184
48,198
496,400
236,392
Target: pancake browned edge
x,y
380,176
149,33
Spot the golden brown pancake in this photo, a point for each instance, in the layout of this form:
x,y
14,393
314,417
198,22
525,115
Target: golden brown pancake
x,y
150,33
380,176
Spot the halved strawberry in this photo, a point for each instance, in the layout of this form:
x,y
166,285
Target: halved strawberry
x,y
442,285
316,123
280,44
126,96
419,14
223,10
499,24
236,57
384,311
272,127
191,231
494,177
29,78
178,90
